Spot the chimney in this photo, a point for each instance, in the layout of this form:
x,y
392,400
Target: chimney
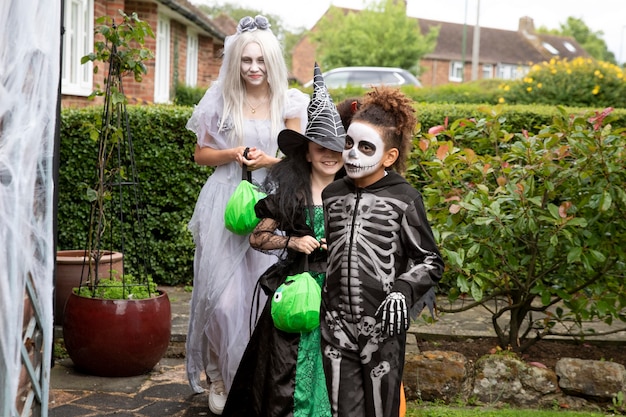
x,y
526,25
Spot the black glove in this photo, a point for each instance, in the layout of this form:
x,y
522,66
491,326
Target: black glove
x,y
394,314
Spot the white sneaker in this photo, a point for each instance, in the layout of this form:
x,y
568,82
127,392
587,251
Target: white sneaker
x,y
217,397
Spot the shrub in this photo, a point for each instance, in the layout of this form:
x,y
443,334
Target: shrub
x,y
185,95
583,82
529,219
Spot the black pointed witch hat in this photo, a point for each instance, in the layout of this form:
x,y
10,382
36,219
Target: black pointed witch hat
x,y
324,125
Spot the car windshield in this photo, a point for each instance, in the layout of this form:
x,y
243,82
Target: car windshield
x,y
366,77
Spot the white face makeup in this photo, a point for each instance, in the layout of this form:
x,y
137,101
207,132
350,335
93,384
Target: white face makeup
x,y
253,69
364,150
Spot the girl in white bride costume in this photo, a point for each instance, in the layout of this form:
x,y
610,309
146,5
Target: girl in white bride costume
x,y
246,107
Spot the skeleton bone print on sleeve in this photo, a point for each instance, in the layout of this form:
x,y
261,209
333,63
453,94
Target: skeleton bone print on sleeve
x,y
368,247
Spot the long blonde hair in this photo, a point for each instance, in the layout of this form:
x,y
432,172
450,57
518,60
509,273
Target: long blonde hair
x,y
234,87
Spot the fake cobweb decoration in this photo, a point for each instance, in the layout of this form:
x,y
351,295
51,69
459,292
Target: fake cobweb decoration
x,y
29,76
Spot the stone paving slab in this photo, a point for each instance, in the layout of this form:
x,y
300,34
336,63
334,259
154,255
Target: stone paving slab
x,y
162,392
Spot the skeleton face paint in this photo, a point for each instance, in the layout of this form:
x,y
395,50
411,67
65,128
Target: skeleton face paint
x,y
364,150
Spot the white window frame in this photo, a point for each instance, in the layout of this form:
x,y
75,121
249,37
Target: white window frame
x,y
78,22
487,71
162,61
455,66
191,69
505,71
511,72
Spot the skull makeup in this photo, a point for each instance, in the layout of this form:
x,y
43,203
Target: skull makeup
x,y
364,150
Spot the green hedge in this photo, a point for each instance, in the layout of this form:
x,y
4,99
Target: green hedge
x,y
172,181
513,119
169,178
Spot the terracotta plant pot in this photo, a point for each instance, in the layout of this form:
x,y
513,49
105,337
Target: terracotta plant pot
x,y
116,338
69,267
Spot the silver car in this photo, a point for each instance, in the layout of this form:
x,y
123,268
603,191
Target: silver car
x,y
367,77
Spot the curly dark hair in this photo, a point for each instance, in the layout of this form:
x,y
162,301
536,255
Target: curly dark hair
x,y
392,112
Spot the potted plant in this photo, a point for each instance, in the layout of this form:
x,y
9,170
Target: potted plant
x,y
116,323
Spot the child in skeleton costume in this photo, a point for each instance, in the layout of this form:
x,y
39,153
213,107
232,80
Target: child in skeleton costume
x,y
383,261
281,373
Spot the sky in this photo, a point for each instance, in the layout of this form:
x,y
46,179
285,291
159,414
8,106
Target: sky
x,y
608,16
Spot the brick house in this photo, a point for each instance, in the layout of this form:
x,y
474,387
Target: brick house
x,y
503,54
187,48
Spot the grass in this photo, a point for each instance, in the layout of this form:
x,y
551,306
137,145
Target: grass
x,y
414,410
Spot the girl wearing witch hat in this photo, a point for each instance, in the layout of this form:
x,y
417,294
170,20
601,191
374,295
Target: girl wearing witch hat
x,y
281,372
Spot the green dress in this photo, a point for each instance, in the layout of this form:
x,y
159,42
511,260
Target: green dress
x,y
281,374
311,395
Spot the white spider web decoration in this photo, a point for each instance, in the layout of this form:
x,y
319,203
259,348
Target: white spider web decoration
x,y
29,78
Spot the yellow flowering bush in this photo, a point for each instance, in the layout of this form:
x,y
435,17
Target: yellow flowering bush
x,y
582,82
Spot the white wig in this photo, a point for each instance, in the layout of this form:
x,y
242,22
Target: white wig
x,y
233,86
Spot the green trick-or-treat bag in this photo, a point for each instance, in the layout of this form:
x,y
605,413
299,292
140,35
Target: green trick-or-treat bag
x,y
239,216
296,304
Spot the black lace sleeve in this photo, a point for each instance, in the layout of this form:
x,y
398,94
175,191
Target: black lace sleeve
x,y
267,237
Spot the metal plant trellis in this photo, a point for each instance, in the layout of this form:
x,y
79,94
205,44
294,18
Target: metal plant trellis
x,y
117,210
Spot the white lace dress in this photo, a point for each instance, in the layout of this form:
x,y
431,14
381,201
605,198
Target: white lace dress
x,y
226,269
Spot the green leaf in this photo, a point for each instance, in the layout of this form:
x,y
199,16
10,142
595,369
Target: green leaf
x,y
606,201
554,211
118,98
602,307
474,249
92,195
574,255
462,283
476,291
453,258
483,221
597,255
577,221
554,240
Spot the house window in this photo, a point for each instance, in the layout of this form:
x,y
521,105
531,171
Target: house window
x,y
456,71
511,72
550,48
77,79
487,71
520,71
505,71
191,76
162,66
569,47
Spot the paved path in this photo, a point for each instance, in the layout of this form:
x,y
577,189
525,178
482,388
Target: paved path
x,y
162,392
165,392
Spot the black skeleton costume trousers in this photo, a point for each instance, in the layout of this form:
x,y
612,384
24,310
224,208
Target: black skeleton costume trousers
x,y
363,367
